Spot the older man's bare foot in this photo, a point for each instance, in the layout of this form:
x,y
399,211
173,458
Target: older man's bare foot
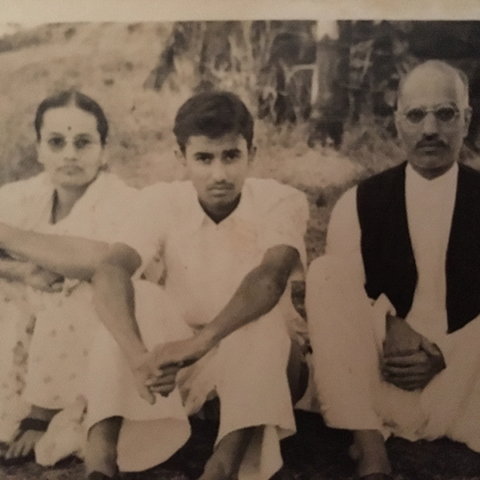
x,y
225,461
369,451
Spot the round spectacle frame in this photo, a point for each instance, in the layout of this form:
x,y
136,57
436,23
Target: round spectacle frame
x,y
442,114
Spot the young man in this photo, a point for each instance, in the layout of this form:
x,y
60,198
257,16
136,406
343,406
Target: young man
x,y
394,305
229,246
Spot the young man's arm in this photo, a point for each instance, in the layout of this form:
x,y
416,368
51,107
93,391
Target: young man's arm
x,y
258,293
114,299
72,257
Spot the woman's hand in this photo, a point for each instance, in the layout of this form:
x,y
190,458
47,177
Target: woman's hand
x,y
41,279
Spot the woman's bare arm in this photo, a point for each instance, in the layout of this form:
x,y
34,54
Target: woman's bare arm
x,y
30,274
72,257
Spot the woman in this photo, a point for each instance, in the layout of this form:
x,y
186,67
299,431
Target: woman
x,y
73,196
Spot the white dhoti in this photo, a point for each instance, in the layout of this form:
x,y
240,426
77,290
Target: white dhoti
x,y
347,333
247,371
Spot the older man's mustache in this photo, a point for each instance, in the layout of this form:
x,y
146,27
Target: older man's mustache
x,y
437,143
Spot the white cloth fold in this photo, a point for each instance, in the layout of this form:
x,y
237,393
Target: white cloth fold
x,y
347,334
202,264
247,371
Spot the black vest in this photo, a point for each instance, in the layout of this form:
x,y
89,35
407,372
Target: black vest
x,y
387,250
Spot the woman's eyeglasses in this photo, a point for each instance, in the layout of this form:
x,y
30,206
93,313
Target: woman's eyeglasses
x,y
441,114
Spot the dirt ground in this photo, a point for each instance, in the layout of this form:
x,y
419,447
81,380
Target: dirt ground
x,y
314,453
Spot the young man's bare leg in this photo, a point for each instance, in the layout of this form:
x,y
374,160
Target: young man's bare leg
x,y
225,462
297,372
101,452
369,451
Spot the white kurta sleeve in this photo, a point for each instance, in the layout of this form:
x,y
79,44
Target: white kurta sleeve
x,y
145,231
344,240
287,223
343,235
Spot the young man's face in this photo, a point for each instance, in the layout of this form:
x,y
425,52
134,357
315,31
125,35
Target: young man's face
x,y
217,168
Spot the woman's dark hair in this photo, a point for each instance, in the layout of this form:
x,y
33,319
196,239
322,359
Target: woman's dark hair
x,y
213,114
73,97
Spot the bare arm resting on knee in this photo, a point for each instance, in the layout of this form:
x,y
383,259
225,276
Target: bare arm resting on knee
x,y
258,293
114,299
72,257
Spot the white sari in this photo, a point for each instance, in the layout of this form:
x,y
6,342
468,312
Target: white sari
x,y
58,350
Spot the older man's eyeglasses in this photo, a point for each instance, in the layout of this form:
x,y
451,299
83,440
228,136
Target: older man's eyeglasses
x,y
442,114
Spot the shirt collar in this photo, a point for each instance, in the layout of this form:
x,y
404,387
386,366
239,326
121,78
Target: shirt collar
x,y
197,218
415,181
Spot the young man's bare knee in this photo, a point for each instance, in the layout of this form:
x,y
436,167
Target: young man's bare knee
x,y
101,452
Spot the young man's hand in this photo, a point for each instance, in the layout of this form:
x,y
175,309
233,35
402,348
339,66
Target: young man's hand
x,y
165,382
182,353
410,359
145,373
170,357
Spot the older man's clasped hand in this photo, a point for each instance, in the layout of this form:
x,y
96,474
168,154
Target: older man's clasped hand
x,y
410,360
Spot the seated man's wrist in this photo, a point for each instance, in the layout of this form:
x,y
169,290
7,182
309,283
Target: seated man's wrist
x,y
136,355
392,320
208,338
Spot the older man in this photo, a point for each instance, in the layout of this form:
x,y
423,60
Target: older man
x,y
394,305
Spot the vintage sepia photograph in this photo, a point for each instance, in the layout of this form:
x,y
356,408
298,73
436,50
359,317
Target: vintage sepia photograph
x,y
240,249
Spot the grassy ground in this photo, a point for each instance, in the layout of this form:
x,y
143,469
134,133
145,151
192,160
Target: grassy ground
x,y
111,62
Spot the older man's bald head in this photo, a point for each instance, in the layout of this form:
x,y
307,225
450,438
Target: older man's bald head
x,y
434,71
433,117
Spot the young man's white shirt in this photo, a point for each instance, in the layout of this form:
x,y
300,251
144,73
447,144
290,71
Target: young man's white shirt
x,y
171,226
203,264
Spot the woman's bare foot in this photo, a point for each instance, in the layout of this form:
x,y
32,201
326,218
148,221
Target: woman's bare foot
x,y
30,431
370,453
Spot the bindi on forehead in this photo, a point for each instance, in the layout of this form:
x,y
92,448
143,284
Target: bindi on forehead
x,y
69,128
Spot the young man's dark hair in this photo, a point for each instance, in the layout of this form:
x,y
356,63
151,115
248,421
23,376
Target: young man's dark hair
x,y
213,114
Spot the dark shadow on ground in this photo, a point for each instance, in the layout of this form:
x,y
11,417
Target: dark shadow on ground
x,y
314,453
